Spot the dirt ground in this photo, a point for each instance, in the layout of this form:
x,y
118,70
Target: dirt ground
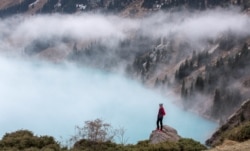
x,y
232,146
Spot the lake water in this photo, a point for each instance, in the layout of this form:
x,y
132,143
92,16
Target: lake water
x,y
51,99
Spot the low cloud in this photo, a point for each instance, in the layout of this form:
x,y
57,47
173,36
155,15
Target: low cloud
x,y
19,31
79,27
198,26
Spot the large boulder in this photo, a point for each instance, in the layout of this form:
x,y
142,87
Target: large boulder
x,y
167,134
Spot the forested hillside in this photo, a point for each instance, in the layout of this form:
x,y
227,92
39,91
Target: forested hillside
x,y
72,6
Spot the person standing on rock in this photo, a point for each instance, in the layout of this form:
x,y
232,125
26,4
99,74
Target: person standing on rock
x,y
161,114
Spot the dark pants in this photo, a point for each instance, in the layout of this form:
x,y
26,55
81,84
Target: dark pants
x,y
159,121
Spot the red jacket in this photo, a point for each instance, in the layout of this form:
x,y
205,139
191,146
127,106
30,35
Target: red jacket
x,y
161,112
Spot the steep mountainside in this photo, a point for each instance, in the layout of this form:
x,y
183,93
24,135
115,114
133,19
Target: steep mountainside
x,y
13,7
219,73
133,7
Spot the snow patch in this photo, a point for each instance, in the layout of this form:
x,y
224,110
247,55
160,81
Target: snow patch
x,y
213,49
81,6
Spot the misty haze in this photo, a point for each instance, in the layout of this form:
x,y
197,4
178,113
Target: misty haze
x,y
63,63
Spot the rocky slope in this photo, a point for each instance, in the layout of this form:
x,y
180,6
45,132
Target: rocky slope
x,y
238,118
8,3
212,74
128,7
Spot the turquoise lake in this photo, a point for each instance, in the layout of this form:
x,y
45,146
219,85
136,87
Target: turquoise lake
x,y
51,99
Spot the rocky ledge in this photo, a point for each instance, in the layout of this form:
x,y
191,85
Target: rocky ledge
x,y
167,134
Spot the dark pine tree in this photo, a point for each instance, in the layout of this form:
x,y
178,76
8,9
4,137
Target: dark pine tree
x,y
216,104
199,84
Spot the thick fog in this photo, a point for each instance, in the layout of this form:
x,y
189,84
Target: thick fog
x,y
52,99
17,32
198,26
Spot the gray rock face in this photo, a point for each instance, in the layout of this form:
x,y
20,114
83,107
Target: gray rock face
x,y
167,134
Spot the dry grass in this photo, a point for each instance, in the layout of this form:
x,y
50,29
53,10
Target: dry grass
x,y
229,145
134,10
8,3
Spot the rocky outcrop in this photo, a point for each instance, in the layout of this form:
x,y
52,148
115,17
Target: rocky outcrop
x,y
240,116
167,134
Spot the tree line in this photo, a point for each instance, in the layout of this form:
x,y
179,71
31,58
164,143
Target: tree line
x,y
216,80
